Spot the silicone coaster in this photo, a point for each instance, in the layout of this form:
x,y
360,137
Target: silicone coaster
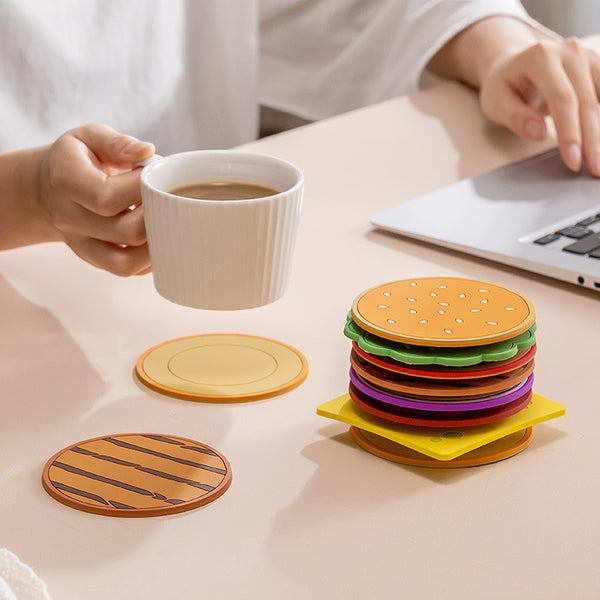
x,y
450,357
443,311
437,419
222,368
437,405
396,383
493,452
442,445
484,369
137,475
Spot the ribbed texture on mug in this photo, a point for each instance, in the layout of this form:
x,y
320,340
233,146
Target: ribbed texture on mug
x,y
221,255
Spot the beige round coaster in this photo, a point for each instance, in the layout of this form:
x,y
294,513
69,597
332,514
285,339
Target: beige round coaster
x,y
222,368
443,311
137,475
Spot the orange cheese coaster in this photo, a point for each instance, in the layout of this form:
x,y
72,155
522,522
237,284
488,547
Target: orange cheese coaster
x,y
137,475
439,444
499,450
222,368
443,311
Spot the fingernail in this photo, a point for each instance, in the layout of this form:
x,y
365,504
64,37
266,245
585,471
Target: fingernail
x,y
534,130
135,147
573,157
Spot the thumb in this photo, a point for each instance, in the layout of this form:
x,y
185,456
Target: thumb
x,y
510,110
111,147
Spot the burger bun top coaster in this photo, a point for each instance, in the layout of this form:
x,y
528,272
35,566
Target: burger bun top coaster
x,y
443,312
137,475
445,356
438,443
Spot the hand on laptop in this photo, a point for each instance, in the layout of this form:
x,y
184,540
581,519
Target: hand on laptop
x,y
525,74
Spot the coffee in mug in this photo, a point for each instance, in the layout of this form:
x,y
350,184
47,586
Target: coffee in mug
x,y
223,190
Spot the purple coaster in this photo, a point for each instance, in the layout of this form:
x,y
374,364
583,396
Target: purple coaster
x,y
466,405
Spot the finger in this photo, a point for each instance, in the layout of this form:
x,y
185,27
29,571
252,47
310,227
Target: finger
x,y
578,70
546,72
506,106
595,71
125,262
126,228
111,147
79,178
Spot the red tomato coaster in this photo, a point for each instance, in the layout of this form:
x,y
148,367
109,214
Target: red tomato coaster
x,y
493,452
484,369
137,475
436,419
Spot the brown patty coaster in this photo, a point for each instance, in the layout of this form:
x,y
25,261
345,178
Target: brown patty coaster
x,y
443,311
415,386
137,475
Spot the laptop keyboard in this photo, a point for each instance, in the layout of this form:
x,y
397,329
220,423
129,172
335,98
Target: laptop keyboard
x,y
583,235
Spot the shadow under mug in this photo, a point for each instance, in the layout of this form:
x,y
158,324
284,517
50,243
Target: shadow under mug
x,y
221,254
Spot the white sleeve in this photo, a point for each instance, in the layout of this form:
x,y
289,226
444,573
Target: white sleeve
x,y
321,58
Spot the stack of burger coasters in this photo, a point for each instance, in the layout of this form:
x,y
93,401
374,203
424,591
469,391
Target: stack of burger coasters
x,y
441,373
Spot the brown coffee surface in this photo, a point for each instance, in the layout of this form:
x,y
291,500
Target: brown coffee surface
x,y
220,190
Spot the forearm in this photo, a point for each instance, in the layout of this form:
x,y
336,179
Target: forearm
x,y
22,218
470,54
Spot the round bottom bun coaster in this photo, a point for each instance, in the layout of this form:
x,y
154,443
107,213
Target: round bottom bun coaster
x,y
222,368
495,451
137,475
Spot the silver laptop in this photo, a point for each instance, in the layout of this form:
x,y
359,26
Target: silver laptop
x,y
534,214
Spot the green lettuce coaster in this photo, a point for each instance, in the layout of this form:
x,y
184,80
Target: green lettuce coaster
x,y
448,357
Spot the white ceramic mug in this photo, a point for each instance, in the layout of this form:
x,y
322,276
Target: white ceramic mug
x,y
221,254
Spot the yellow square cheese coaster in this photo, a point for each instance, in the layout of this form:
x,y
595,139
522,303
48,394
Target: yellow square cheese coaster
x,y
439,443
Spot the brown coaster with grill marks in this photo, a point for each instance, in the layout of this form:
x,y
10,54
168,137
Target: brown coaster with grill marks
x,y
137,475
